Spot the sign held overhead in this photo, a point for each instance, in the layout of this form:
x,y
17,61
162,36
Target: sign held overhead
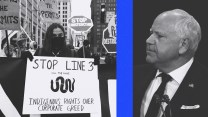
x,y
109,36
10,15
61,89
49,10
80,23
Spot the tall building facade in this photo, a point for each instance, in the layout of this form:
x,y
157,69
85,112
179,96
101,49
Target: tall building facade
x,y
97,30
31,21
33,28
34,25
64,10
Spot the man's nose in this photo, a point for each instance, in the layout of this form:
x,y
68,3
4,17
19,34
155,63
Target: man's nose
x,y
151,39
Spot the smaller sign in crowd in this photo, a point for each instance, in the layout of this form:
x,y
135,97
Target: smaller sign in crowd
x,y
9,15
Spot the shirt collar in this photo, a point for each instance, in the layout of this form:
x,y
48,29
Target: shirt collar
x,y
179,73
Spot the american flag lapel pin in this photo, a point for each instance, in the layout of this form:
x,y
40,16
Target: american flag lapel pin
x,y
191,85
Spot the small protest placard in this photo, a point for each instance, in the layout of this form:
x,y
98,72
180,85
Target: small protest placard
x,y
109,39
9,15
61,85
49,10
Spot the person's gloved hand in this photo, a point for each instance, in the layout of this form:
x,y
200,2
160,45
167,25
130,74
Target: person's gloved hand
x,y
96,60
27,54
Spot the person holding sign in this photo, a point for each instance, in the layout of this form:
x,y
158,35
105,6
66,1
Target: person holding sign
x,y
54,44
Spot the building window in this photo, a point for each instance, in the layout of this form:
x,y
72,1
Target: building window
x,y
64,12
65,3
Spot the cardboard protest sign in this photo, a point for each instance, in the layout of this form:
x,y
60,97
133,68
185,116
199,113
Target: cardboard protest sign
x,y
109,39
9,15
49,10
80,23
61,85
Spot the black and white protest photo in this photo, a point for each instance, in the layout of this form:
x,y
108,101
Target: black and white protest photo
x,y
58,58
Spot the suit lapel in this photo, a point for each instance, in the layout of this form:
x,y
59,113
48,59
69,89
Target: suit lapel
x,y
145,83
148,78
186,91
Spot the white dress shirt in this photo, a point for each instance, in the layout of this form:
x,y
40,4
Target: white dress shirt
x,y
171,87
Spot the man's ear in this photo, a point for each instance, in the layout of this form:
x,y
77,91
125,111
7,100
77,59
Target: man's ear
x,y
184,46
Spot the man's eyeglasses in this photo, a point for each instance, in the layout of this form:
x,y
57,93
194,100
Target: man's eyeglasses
x,y
58,35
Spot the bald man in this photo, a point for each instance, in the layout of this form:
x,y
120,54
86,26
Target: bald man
x,y
173,84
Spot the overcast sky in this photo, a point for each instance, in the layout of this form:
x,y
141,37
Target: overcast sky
x,y
81,7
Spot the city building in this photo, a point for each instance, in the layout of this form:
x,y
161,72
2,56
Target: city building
x,y
100,20
64,10
31,22
32,28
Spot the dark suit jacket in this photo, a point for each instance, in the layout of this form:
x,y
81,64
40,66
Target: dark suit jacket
x,y
192,91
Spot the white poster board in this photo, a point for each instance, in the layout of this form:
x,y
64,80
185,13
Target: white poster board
x,y
61,85
112,97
